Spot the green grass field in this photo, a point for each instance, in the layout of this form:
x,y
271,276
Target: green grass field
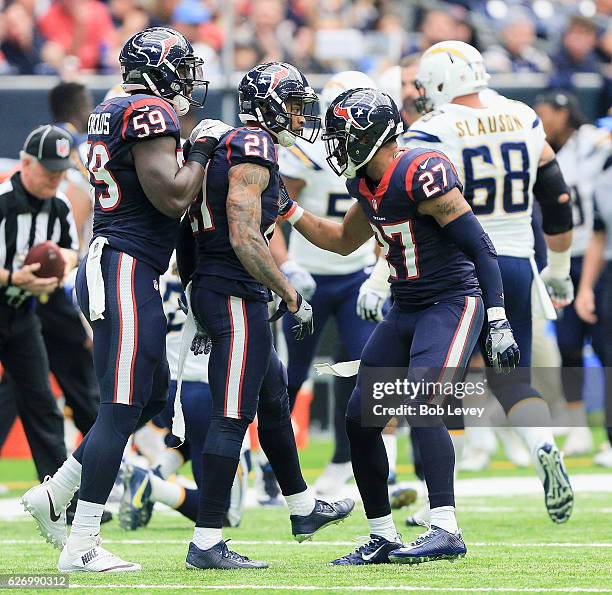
x,y
512,547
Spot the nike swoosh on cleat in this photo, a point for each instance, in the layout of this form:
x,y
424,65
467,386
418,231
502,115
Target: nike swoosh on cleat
x,y
368,557
54,517
137,500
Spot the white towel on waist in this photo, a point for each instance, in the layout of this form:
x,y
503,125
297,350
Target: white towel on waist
x,y
542,305
95,280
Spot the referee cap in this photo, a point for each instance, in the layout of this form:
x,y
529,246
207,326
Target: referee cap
x,y
51,146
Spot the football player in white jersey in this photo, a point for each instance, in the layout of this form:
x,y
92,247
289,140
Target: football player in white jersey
x,y
144,487
330,282
582,151
499,149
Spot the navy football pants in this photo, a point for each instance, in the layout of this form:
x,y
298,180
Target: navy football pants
x,y
429,340
130,363
335,297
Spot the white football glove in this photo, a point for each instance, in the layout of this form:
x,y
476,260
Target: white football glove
x,y
299,277
370,303
560,289
209,128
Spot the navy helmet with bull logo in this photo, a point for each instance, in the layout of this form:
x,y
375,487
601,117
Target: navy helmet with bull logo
x,y
160,61
357,123
273,94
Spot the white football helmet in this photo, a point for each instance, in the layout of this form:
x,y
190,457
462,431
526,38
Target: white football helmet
x,y
343,81
451,69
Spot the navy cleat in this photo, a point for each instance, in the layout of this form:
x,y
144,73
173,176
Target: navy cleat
x,y
375,551
219,556
401,497
434,544
558,493
324,514
136,506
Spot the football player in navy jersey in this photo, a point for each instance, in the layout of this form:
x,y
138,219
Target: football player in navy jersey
x,y
140,194
231,287
443,267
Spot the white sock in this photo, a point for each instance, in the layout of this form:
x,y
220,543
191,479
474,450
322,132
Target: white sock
x,y
87,517
384,527
169,462
166,492
66,482
390,441
301,504
205,537
444,517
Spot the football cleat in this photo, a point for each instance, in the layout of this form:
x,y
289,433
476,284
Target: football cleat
x,y
579,441
324,513
136,506
332,480
268,490
92,558
434,544
39,502
604,458
558,493
219,556
420,517
374,551
401,497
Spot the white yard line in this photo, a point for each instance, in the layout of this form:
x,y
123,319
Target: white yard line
x,y
346,588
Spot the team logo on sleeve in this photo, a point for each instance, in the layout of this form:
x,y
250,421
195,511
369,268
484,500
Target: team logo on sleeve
x,y
355,109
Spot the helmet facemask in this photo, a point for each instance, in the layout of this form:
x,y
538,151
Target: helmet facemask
x,y
423,103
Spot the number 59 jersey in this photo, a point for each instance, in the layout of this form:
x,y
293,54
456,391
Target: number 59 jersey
x,y
122,211
496,151
325,195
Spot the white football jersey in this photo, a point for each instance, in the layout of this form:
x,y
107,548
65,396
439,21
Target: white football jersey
x,y
196,367
581,160
496,151
325,195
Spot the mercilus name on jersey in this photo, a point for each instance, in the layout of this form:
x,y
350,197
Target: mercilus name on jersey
x,y
489,125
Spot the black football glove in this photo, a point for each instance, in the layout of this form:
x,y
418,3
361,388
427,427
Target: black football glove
x,y
502,350
202,343
303,315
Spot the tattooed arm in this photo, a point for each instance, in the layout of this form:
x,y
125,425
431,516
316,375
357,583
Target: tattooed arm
x,y
247,181
445,208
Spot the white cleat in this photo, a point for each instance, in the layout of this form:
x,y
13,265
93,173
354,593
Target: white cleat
x,y
40,503
86,555
421,517
604,458
333,479
579,441
558,493
513,447
474,460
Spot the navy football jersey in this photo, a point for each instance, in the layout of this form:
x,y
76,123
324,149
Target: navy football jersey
x,y
425,265
123,213
218,267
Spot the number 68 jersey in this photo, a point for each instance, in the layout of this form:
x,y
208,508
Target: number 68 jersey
x,y
496,151
122,211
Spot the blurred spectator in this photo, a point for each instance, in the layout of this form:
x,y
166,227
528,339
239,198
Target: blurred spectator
x,y
517,52
245,54
577,52
21,43
410,67
437,25
79,28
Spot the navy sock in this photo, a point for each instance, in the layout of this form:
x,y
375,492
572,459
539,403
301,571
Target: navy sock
x,y
189,507
370,466
343,388
438,460
214,493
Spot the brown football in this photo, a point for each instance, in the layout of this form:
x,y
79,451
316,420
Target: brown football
x,y
50,257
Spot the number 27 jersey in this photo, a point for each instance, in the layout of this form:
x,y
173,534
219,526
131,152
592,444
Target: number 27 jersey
x,y
496,151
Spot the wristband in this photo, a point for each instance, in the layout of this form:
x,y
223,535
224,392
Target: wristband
x,y
559,263
201,150
496,314
294,214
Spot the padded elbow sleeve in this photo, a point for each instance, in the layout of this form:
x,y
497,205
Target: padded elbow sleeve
x,y
548,187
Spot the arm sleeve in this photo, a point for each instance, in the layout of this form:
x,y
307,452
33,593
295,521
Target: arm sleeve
x,y
250,145
467,233
185,252
148,118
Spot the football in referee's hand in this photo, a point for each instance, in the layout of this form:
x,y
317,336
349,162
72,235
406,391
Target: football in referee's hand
x,y
50,257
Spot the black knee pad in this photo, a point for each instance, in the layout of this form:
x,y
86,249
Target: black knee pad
x,y
121,420
225,436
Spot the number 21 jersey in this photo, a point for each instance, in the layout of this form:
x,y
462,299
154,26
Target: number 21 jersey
x,y
123,214
496,151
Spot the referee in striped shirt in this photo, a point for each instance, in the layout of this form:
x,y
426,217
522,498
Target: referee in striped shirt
x,y
32,211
